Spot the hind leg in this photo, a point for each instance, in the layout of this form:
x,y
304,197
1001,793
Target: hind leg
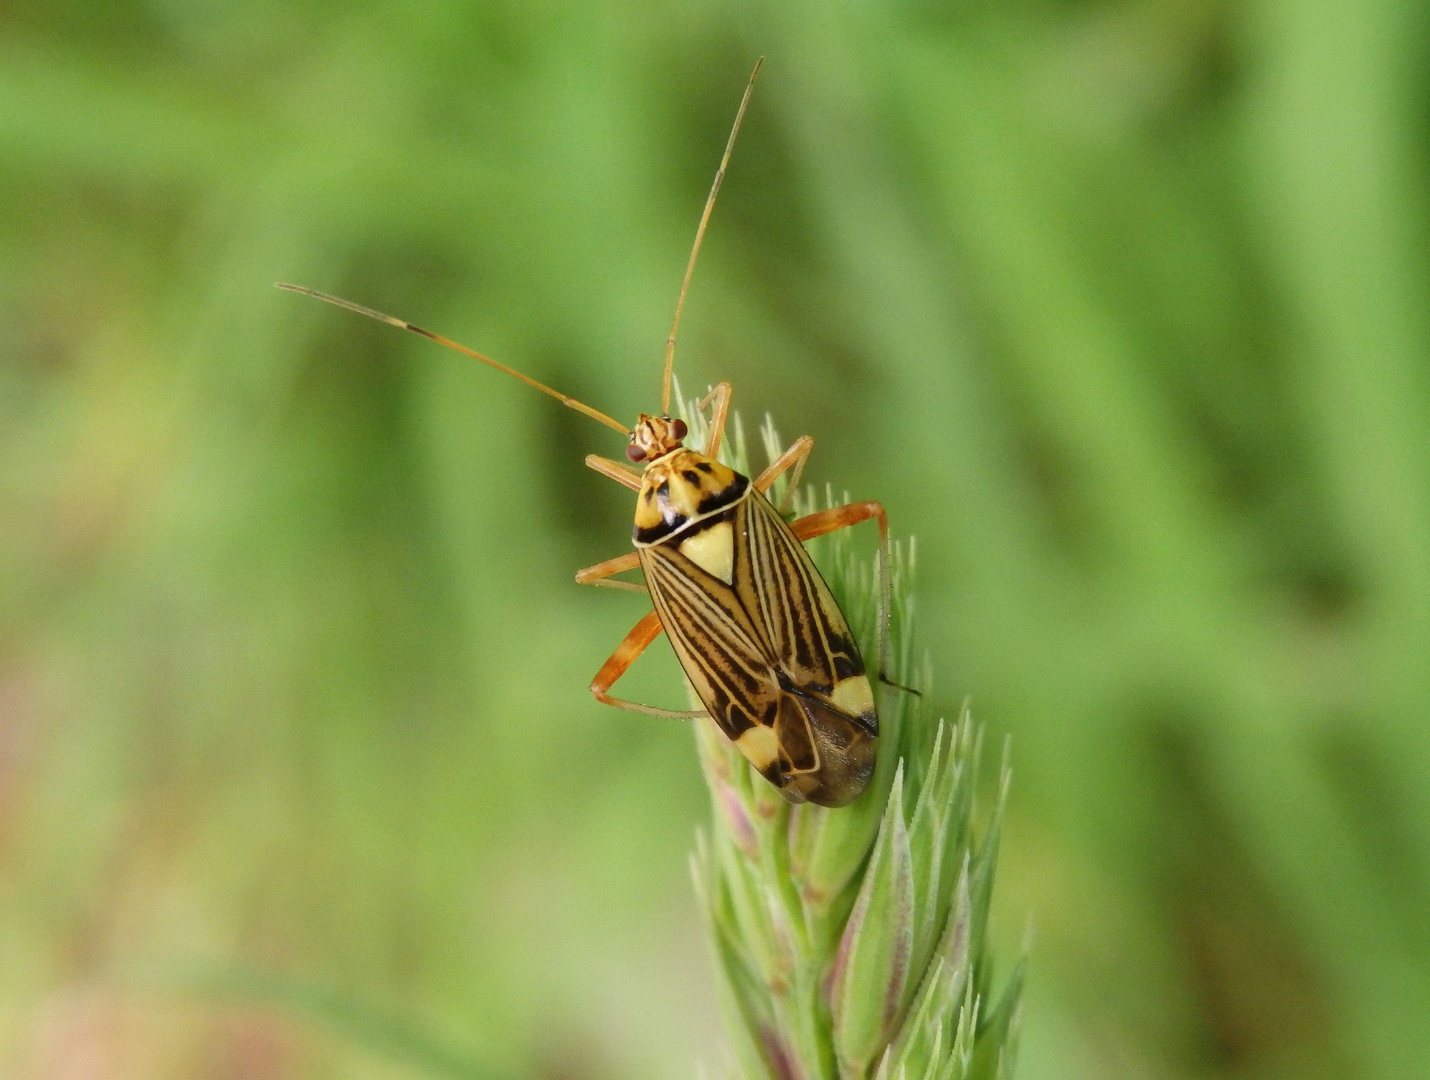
x,y
620,661
841,517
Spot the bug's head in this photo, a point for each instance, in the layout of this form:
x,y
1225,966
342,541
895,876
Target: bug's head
x,y
654,437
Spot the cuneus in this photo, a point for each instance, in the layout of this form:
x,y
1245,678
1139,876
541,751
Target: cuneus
x,y
755,627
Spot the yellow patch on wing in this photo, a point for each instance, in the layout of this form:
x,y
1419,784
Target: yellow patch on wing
x,y
853,695
760,746
713,550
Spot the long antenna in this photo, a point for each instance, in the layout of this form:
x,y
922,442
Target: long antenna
x,y
699,236
569,402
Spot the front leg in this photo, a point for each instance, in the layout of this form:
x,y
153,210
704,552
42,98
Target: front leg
x,y
614,470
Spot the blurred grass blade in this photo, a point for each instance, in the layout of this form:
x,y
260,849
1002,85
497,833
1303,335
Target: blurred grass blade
x,y
361,1024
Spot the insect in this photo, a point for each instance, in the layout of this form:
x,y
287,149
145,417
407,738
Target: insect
x,y
754,626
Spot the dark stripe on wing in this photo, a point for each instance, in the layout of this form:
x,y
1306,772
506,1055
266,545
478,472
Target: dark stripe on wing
x,y
725,662
807,631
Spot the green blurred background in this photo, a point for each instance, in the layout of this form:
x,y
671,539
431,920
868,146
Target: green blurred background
x,y
1119,305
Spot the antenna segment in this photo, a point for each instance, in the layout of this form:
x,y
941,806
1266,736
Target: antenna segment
x,y
699,236
569,402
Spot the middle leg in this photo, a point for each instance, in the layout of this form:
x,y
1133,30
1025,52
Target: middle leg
x,y
601,573
795,456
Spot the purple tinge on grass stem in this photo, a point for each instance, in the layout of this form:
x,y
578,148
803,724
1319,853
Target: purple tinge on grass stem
x,y
783,1065
742,829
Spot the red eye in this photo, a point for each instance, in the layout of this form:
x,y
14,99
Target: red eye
x,y
634,452
678,429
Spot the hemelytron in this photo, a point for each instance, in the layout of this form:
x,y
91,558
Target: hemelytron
x,y
755,628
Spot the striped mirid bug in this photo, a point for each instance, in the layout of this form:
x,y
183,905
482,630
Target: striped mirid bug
x,y
753,624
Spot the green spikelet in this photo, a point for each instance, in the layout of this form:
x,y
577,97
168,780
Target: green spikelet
x,y
851,942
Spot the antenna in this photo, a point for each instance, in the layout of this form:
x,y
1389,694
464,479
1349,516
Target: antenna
x,y
569,402
699,236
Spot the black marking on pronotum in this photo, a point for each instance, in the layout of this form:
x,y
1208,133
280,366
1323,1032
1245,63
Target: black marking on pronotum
x,y
732,493
701,524
704,466
674,521
658,532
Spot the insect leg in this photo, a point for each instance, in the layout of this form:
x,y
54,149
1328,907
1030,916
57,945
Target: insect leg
x,y
619,662
600,574
719,397
795,456
615,470
840,517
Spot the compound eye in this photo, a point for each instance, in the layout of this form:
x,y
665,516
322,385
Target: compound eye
x,y
634,452
678,429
